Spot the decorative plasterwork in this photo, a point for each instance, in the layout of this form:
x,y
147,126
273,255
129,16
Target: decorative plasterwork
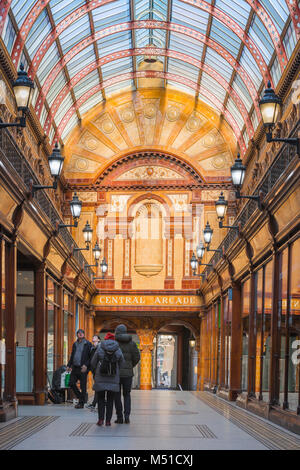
x,y
149,173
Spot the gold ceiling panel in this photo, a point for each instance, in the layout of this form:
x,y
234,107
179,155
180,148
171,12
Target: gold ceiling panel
x,y
150,120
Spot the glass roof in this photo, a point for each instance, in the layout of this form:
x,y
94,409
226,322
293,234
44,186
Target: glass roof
x,y
221,51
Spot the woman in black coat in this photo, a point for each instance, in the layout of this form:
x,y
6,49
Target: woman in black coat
x,y
107,382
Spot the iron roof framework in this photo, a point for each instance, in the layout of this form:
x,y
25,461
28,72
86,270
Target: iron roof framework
x,y
81,51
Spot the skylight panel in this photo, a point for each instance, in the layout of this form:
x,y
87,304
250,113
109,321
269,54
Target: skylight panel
x,y
81,60
261,37
94,100
224,36
141,7
278,10
75,33
237,10
186,45
20,9
235,113
61,9
161,7
180,86
239,86
249,64
203,97
39,31
73,122
217,62
116,67
210,84
119,87
181,68
111,13
116,42
63,109
86,84
290,40
190,16
50,59
9,34
55,88
43,116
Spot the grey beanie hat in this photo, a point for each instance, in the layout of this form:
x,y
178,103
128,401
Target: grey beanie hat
x,y
121,329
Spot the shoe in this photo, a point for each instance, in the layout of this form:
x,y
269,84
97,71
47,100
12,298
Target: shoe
x,y
119,421
100,422
127,420
79,405
107,423
91,406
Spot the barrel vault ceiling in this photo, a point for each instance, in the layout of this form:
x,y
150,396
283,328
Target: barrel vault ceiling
x,y
210,60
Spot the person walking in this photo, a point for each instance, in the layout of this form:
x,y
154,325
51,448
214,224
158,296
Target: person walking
x,y
107,361
78,365
95,343
132,357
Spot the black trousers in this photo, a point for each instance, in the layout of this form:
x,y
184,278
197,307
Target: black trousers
x,y
125,386
76,375
105,404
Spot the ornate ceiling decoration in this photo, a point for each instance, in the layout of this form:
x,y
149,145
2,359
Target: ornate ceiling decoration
x,y
79,52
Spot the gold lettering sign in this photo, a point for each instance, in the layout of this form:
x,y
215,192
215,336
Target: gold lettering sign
x,y
147,300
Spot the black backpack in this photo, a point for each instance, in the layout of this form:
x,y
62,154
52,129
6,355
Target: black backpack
x,y
108,366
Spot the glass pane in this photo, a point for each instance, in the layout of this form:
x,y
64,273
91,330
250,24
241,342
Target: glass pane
x,y
166,361
50,290
267,330
24,343
2,320
50,342
66,316
294,323
25,282
259,332
245,325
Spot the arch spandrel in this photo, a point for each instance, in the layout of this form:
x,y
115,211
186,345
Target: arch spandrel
x,y
179,126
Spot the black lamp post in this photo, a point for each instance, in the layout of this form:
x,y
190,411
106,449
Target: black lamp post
x,y
55,161
194,263
104,267
238,171
208,233
270,106
221,209
75,206
96,253
23,88
87,235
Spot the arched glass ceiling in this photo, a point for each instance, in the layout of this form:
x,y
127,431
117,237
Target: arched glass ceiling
x,y
79,52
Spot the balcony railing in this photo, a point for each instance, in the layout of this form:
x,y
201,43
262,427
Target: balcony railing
x,y
282,160
17,160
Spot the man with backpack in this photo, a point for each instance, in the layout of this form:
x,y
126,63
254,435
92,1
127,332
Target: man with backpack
x,y
79,365
107,361
131,356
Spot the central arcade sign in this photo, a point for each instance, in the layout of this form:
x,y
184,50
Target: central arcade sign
x,y
177,301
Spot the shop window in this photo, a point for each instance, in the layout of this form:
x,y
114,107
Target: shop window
x,y
259,330
25,331
267,316
245,332
227,333
2,319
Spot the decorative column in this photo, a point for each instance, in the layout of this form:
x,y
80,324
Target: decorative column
x,y
10,325
146,347
197,352
40,336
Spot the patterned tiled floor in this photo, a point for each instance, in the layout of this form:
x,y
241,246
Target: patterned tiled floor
x,y
160,420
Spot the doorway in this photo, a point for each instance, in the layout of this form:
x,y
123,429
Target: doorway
x,y
166,361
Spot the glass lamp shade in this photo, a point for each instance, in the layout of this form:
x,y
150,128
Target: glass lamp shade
x,y
23,88
238,171
96,252
194,262
87,233
270,106
75,205
103,266
55,161
221,207
200,250
207,232
192,343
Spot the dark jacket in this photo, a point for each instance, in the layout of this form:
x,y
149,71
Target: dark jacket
x,y
129,349
93,350
104,382
85,357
